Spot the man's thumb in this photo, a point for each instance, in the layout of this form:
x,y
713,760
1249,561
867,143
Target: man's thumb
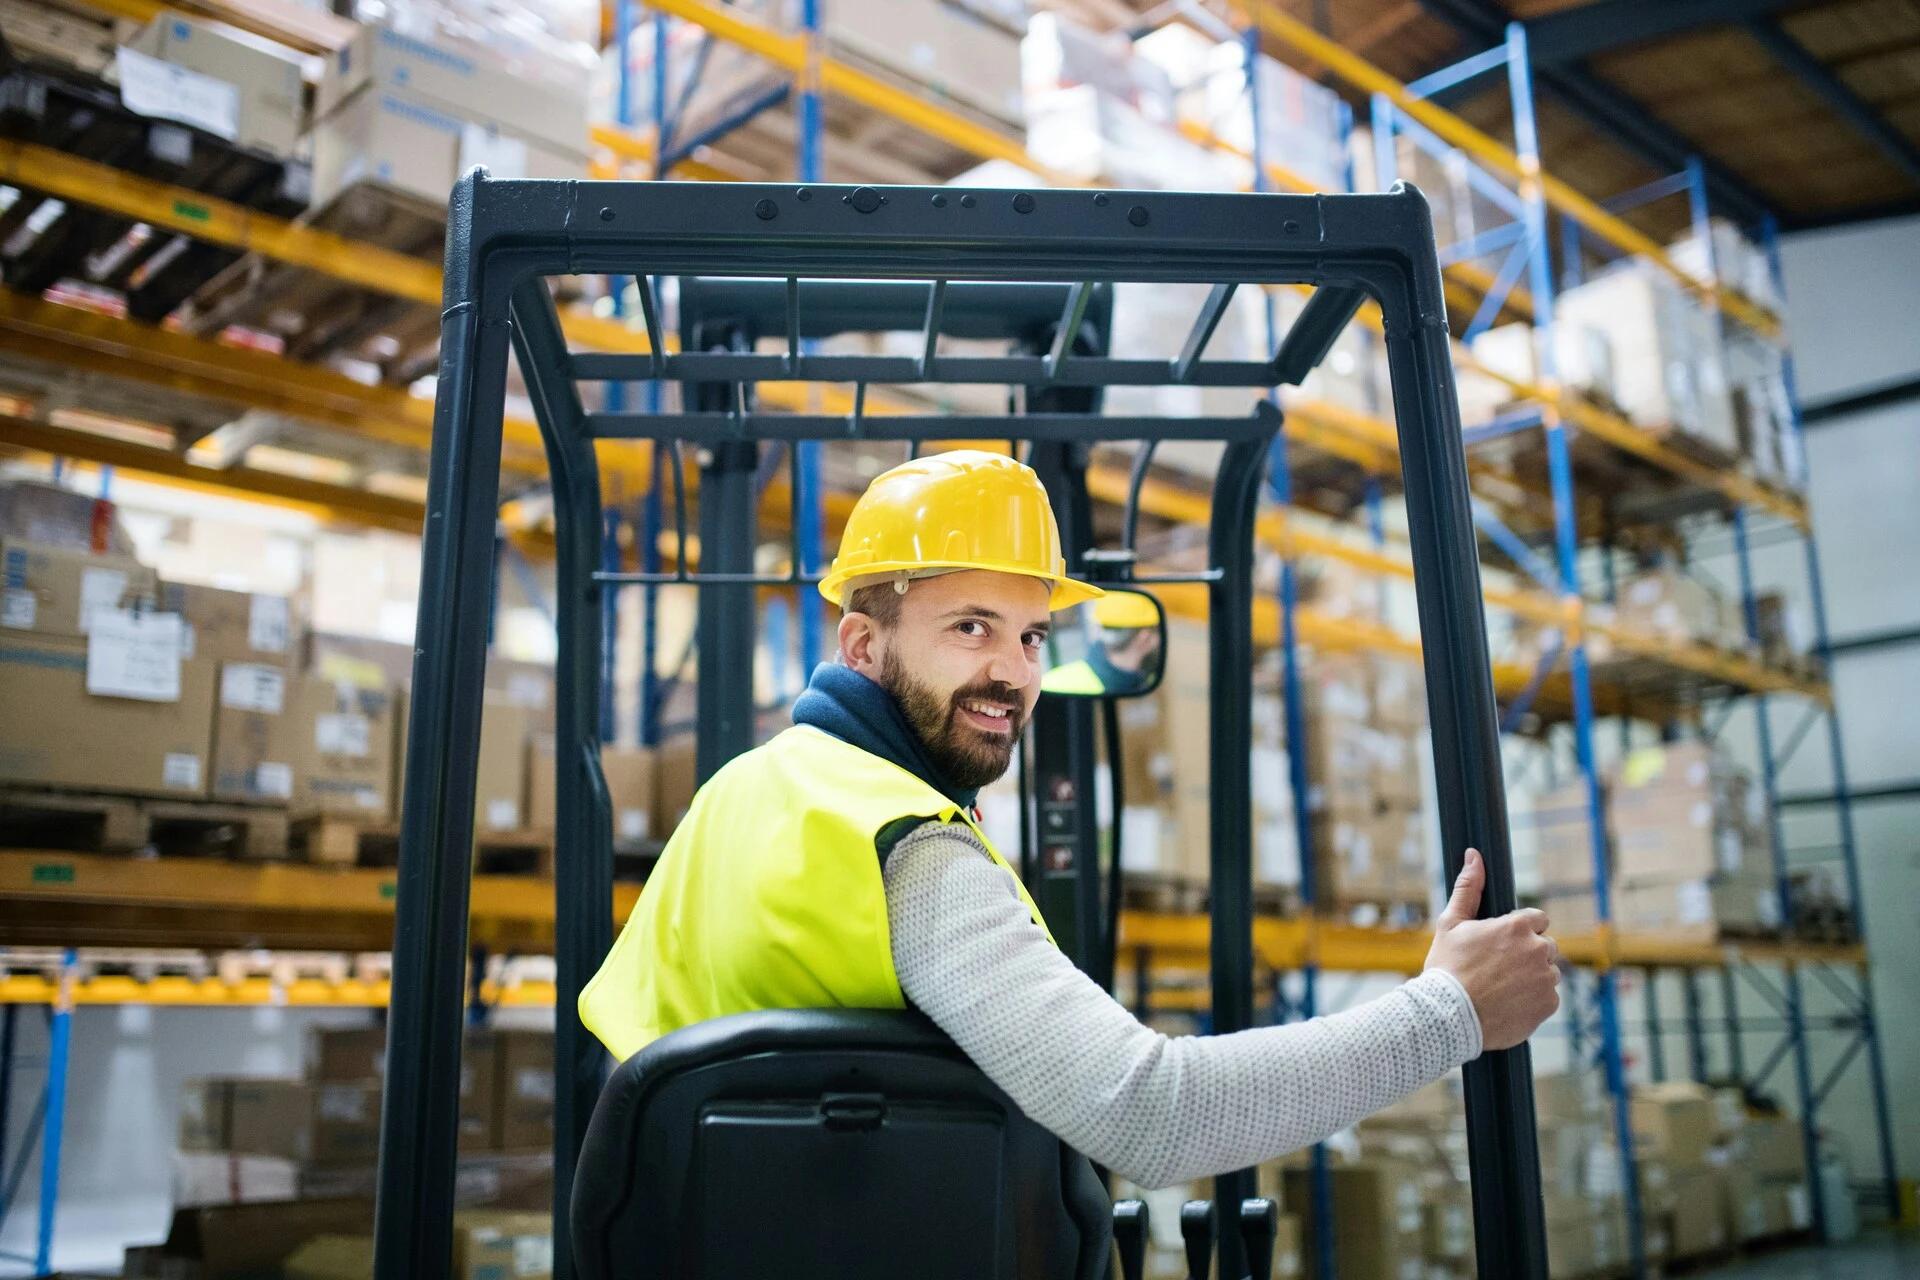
x,y
1464,904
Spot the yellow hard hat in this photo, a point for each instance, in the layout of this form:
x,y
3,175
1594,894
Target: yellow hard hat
x,y
959,510
1125,611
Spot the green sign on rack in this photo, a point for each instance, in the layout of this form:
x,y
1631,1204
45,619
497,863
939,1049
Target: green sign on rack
x,y
53,873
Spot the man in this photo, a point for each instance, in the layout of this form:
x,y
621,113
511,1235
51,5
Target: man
x,y
842,864
1124,655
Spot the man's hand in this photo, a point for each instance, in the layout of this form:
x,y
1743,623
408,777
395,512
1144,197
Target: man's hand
x,y
1508,965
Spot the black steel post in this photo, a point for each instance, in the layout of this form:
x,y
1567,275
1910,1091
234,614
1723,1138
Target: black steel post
x,y
419,1123
1503,1146
1068,890
1236,491
583,836
1696,1032
1650,1007
1730,1012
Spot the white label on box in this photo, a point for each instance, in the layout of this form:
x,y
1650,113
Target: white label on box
x,y
1728,848
99,589
1766,904
1701,814
19,609
504,156
367,798
150,87
134,655
532,1255
250,686
533,1083
1799,1208
342,733
1693,901
346,1104
273,779
633,824
503,814
267,624
189,640
527,689
180,769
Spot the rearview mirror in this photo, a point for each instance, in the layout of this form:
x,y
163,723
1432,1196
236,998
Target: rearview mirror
x,y
1113,647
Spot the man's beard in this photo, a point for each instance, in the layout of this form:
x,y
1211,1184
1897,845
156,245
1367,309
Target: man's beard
x,y
965,756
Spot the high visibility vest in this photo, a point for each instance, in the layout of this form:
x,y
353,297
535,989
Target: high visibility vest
x,y
769,895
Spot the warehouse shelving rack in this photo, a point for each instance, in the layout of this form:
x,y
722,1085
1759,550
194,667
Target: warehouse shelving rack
x,y
119,348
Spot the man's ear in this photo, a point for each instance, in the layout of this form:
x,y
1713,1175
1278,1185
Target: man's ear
x,y
858,643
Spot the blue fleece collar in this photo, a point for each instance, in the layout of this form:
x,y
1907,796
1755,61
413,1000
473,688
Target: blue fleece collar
x,y
844,703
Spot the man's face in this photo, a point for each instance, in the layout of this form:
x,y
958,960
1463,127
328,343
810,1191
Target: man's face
x,y
963,661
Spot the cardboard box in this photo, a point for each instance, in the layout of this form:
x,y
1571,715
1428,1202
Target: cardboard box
x,y
1378,1217
946,50
256,97
418,147
490,1245
1561,824
1667,602
356,660
269,1118
499,798
53,591
1700,909
60,735
346,1053
1697,1222
252,1239
525,1089
1674,1122
1773,1148
51,515
256,742
629,777
343,748
462,79
234,626
331,1257
1679,812
327,1122
674,774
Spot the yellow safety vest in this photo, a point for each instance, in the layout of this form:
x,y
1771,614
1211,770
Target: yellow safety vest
x,y
769,895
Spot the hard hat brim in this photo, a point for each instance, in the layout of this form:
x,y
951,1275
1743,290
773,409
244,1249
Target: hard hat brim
x,y
1067,592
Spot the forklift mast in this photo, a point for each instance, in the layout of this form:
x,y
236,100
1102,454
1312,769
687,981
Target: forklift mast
x,y
784,264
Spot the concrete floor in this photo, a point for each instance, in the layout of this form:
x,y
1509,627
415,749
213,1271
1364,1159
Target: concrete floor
x,y
1879,1258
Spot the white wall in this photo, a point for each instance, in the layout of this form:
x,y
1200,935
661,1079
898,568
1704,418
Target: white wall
x,y
1854,315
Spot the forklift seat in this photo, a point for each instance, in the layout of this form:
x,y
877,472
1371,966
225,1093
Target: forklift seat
x,y
845,1143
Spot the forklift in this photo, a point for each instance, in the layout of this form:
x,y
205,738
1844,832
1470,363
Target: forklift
x,y
855,1143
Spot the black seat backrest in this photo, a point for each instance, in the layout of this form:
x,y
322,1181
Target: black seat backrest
x,y
848,1143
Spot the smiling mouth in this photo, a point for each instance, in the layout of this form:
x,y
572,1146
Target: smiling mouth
x,y
989,717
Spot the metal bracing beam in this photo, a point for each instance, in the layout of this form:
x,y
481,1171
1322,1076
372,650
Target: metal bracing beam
x,y
1862,115
1604,106
1573,35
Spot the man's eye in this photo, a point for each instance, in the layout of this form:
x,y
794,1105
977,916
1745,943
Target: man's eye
x,y
1035,639
972,627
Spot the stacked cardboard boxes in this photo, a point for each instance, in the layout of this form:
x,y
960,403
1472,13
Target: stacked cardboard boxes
x,y
1688,843
1365,730
97,691
226,81
410,107
245,1139
488,1244
1638,340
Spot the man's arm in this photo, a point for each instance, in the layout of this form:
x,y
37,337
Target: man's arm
x,y
1153,1108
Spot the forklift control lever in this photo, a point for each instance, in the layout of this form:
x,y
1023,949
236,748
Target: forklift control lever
x,y
1196,1228
1130,1234
1259,1223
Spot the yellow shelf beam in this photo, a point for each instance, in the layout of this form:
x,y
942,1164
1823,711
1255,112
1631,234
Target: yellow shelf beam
x,y
216,221
1284,943
1363,75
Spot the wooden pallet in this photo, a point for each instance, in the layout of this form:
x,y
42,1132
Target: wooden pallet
x,y
34,818
1376,912
320,319
1185,895
344,840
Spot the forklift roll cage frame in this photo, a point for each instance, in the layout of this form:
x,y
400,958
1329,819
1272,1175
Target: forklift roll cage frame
x,y
995,260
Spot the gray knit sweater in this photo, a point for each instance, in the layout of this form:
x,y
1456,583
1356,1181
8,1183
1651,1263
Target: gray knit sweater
x,y
1155,1109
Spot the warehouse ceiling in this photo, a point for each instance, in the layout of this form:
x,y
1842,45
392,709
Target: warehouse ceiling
x,y
1808,109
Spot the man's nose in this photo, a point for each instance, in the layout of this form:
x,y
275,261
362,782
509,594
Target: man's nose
x,y
1009,665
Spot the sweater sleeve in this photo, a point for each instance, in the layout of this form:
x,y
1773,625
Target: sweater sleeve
x,y
1156,1109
